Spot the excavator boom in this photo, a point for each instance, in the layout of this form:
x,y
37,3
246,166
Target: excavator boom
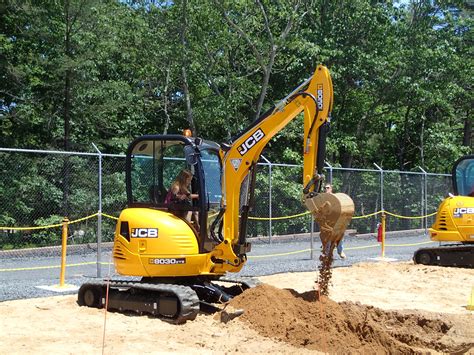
x,y
313,98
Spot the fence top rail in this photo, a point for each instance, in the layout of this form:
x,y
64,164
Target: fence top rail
x,y
389,171
438,174
412,172
19,150
280,164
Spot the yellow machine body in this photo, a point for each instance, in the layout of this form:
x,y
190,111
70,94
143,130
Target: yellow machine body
x,y
159,245
454,220
454,224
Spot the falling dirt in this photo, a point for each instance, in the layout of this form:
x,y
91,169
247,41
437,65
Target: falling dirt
x,y
325,273
304,321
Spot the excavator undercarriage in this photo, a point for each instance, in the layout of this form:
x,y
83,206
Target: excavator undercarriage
x,y
173,302
446,255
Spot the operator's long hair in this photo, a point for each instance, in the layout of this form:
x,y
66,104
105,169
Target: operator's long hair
x,y
181,180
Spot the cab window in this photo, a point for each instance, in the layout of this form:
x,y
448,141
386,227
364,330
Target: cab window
x,y
154,166
465,177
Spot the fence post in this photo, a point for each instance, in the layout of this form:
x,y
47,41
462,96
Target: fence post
x,y
330,171
381,186
424,200
99,215
63,251
269,198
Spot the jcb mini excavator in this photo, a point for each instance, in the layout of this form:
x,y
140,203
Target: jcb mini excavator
x,y
179,266
454,223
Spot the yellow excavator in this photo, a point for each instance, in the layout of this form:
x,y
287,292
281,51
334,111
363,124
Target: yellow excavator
x,y
454,223
177,265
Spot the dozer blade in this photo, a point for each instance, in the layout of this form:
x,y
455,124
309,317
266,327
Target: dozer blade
x,y
333,212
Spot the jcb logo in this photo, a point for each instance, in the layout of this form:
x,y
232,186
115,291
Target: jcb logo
x,y
251,141
144,232
459,212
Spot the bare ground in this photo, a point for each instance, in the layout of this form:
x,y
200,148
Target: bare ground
x,y
396,308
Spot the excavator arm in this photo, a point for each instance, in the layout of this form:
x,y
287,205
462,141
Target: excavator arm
x,y
313,98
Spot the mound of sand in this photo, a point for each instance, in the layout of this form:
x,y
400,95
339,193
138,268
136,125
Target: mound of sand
x,y
316,322
372,308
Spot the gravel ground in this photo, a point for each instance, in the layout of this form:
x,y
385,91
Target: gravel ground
x,y
20,276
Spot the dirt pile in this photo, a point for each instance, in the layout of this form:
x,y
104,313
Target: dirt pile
x,y
304,320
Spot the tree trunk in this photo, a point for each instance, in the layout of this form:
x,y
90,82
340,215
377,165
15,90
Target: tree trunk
x,y
165,102
189,110
265,80
467,136
66,108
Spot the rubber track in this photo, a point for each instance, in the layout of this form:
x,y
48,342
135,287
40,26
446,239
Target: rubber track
x,y
188,299
456,255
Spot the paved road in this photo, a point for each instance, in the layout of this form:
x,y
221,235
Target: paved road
x,y
20,277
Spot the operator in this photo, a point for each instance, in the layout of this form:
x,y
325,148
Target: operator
x,y
340,246
180,194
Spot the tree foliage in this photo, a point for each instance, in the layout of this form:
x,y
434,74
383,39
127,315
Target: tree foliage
x,y
81,71
77,72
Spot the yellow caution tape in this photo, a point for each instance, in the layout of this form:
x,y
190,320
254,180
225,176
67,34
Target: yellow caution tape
x,y
409,217
83,218
279,218
252,218
48,226
409,245
51,266
355,217
367,215
109,216
280,254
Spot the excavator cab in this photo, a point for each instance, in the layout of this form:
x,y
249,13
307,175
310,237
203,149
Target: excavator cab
x,y
153,164
463,176
155,235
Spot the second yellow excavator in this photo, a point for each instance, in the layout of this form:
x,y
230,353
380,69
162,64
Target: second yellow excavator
x,y
179,264
454,224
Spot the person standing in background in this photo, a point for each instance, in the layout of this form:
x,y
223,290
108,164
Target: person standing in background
x,y
340,246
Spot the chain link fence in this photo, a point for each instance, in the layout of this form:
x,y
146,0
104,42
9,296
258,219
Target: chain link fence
x,y
408,196
40,188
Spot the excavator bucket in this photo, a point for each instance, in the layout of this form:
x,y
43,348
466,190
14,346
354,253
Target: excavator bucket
x,y
333,212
